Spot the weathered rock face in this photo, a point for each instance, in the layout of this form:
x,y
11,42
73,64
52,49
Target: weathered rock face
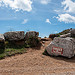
x,y
2,43
65,35
62,46
31,34
31,38
14,36
72,32
2,37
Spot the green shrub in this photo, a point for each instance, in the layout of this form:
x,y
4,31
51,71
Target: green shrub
x,y
57,35
64,31
12,51
2,56
45,37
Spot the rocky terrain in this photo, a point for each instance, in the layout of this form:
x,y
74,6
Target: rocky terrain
x,y
32,61
35,63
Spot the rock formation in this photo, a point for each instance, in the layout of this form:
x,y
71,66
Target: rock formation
x,y
31,34
62,46
72,33
65,35
2,43
14,36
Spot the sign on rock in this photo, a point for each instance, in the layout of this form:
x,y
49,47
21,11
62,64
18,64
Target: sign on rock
x,y
57,50
62,47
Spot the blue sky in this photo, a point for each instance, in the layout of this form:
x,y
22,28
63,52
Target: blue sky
x,y
44,16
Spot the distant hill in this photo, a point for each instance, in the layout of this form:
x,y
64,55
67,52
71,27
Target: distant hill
x,y
64,31
60,33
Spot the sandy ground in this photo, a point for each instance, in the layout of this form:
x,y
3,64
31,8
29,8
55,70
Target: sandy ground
x,y
34,63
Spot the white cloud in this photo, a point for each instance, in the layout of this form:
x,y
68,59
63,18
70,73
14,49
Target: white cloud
x,y
68,10
69,6
56,32
67,18
17,5
45,1
25,21
48,21
57,11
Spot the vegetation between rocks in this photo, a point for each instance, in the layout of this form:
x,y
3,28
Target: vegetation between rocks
x,y
18,47
32,42
12,51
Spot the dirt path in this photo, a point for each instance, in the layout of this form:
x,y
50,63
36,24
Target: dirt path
x,y
34,63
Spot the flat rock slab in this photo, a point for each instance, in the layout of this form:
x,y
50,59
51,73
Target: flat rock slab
x,y
61,46
17,35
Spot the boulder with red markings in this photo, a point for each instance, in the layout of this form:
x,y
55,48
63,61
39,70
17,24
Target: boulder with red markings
x,y
61,46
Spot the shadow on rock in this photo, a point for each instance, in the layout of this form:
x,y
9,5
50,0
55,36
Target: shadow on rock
x,y
71,60
38,47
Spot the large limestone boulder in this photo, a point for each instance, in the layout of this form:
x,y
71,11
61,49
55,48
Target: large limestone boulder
x,y
65,35
72,32
61,46
14,36
31,34
31,38
2,43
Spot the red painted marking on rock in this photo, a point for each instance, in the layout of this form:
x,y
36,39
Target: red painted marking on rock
x,y
57,50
